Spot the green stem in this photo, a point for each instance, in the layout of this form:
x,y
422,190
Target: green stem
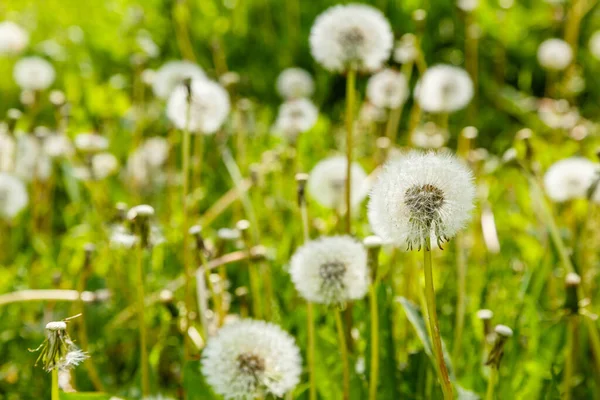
x,y
461,291
55,391
310,314
374,373
350,92
491,383
391,128
185,155
141,322
570,356
343,353
434,325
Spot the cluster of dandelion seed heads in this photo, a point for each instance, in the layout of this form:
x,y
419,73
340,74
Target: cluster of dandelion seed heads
x,y
351,36
249,358
444,89
295,83
327,182
571,178
330,270
387,89
173,74
208,108
420,196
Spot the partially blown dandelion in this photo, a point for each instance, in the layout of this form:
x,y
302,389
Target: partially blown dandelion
x,y
420,196
331,270
248,359
58,350
353,36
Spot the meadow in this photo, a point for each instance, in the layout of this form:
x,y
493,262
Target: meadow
x,y
261,199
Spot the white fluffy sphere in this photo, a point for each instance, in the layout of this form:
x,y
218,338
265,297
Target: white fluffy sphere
x,y
13,196
331,270
208,109
33,73
594,44
420,196
249,359
554,54
295,83
296,116
172,74
13,38
387,89
351,36
570,178
444,88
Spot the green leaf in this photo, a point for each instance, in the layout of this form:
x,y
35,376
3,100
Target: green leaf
x,y
194,384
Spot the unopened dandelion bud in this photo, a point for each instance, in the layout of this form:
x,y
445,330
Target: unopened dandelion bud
x,y
572,282
140,218
121,210
486,316
301,180
503,332
373,245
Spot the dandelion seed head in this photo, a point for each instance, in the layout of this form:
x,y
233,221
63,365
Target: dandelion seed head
x,y
90,143
295,83
467,5
104,165
503,331
208,110
444,88
296,116
420,196
172,74
58,145
429,136
331,270
387,89
13,38
594,44
327,181
142,210
33,73
485,314
30,159
351,36
406,49
249,358
554,54
120,237
570,178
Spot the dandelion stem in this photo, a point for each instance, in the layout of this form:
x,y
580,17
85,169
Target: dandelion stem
x,y
433,323
374,372
570,356
142,322
55,391
343,353
491,383
185,148
350,92
461,292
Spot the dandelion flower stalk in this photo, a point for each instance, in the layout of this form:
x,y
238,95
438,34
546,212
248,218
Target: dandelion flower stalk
x,y
55,391
343,353
350,93
373,243
433,322
503,333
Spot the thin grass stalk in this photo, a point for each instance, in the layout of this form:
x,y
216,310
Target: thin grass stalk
x,y
570,356
182,36
343,354
472,60
374,311
461,292
141,321
491,386
350,94
55,391
434,324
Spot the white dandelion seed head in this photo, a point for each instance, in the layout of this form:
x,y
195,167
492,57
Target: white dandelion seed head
x,y
172,74
327,182
406,49
485,314
444,88
249,358
90,143
387,89
429,136
351,36
296,116
156,151
8,148
554,54
420,196
594,44
13,38
33,73
295,83
370,113
331,270
503,330
30,160
58,145
570,178
209,107
120,237
104,165
13,196
467,5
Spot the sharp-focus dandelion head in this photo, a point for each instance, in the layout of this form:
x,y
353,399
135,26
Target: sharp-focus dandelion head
x,y
443,89
331,270
420,196
33,73
554,54
249,359
173,74
296,116
406,49
104,165
327,183
58,350
351,36
570,178
90,143
295,83
387,89
208,109
13,196
594,44
13,38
